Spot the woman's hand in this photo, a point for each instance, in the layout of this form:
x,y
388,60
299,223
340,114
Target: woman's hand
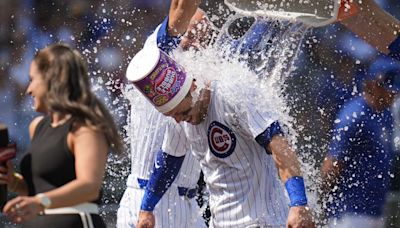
x,y
22,209
7,176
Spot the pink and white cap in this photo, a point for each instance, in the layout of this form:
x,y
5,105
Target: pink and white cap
x,y
159,78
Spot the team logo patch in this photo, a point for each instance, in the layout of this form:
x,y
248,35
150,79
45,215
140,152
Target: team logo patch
x,y
166,81
221,140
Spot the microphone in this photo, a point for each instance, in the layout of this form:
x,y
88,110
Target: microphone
x,y
7,152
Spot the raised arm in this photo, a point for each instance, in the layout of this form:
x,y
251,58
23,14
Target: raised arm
x,y
180,13
373,24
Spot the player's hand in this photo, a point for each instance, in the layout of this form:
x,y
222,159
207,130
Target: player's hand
x,y
300,217
146,220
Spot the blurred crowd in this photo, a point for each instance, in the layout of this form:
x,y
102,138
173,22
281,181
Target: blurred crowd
x,y
106,32
330,64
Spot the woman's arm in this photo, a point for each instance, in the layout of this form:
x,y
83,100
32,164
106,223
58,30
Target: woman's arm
x,y
15,181
90,150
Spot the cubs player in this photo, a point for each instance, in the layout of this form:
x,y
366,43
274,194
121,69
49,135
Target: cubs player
x,y
178,207
234,145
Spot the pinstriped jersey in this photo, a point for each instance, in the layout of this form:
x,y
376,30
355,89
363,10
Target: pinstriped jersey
x,y
241,177
149,128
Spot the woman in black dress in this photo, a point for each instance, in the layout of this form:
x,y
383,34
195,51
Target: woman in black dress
x,y
63,169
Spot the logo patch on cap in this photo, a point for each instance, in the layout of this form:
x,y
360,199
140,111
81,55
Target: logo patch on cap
x,y
221,140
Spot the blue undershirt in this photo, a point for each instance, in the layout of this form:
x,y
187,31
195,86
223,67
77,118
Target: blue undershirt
x,y
361,142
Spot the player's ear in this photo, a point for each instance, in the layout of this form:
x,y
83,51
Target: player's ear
x,y
193,87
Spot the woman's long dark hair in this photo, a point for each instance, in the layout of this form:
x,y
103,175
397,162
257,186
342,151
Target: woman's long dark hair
x,y
65,72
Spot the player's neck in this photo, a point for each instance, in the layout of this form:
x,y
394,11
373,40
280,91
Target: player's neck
x,y
201,106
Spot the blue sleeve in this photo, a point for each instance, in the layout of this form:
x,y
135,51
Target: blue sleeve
x,y
165,41
394,49
256,33
165,170
342,133
266,136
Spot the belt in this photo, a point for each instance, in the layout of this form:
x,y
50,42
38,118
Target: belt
x,y
182,191
187,192
83,210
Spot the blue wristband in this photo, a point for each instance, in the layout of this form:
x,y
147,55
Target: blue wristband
x,y
296,190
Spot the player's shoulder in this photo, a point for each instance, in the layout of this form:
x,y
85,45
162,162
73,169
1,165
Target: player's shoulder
x,y
353,111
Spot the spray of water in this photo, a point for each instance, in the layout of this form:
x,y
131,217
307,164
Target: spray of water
x,y
260,73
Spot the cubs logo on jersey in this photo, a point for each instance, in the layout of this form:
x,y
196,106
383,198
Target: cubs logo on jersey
x,y
221,140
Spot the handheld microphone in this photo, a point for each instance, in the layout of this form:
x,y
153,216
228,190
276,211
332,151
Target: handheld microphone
x,y
7,152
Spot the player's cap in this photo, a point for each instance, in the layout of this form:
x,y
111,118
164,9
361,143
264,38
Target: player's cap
x,y
387,71
159,78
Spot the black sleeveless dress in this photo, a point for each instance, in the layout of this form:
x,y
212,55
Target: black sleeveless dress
x,y
47,165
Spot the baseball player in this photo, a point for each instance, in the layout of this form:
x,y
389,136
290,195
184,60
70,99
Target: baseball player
x,y
178,207
233,142
357,169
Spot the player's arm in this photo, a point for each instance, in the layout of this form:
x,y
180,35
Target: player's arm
x,y
289,170
274,142
337,152
373,24
176,23
285,158
165,169
330,172
180,13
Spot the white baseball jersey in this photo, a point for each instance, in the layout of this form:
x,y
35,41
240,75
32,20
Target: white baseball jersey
x,y
242,179
147,137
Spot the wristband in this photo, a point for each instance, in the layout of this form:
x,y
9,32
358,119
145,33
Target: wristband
x,y
296,190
